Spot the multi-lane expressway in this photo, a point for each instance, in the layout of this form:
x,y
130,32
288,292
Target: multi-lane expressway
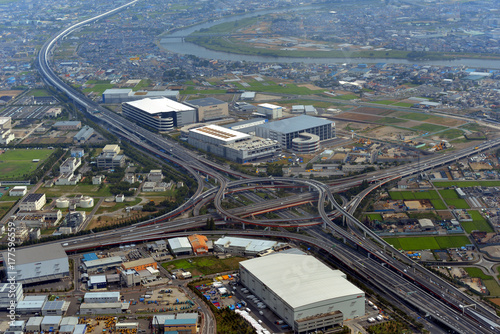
x,y
437,294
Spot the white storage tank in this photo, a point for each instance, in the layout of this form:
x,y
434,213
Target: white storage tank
x,y
62,203
86,202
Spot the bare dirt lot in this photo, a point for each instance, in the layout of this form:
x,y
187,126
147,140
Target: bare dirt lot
x,y
264,97
389,132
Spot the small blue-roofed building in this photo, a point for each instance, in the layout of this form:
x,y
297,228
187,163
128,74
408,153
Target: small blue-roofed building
x,y
89,257
285,130
77,152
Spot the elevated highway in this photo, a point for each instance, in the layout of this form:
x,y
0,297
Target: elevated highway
x,y
378,265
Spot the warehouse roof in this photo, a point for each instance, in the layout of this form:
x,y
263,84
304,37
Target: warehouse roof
x,y
294,124
103,262
205,102
51,319
179,243
220,133
158,105
139,262
38,254
300,280
107,294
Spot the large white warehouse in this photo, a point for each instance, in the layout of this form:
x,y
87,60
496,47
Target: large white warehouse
x,y
304,292
159,113
38,264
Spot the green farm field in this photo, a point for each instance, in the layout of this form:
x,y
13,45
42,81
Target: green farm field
x,y
204,265
478,223
419,243
465,184
18,163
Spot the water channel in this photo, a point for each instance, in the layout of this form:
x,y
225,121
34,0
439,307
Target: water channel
x,y
178,45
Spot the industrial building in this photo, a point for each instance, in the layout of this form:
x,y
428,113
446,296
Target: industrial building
x,y
102,264
83,135
10,293
50,323
67,125
31,304
39,264
301,290
33,324
270,111
247,126
161,114
180,246
55,307
233,145
102,297
243,246
18,191
120,95
209,108
185,323
199,243
103,308
140,264
284,131
97,282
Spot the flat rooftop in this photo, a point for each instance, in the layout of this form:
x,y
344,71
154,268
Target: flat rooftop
x,y
300,280
38,254
220,133
159,105
205,102
294,124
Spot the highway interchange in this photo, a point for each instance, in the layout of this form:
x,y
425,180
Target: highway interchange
x,y
362,250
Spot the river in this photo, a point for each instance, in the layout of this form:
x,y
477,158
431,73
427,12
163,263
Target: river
x,y
177,45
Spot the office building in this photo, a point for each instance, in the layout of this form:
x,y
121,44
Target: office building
x,y
285,130
40,263
209,108
33,202
161,114
305,293
6,134
109,157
